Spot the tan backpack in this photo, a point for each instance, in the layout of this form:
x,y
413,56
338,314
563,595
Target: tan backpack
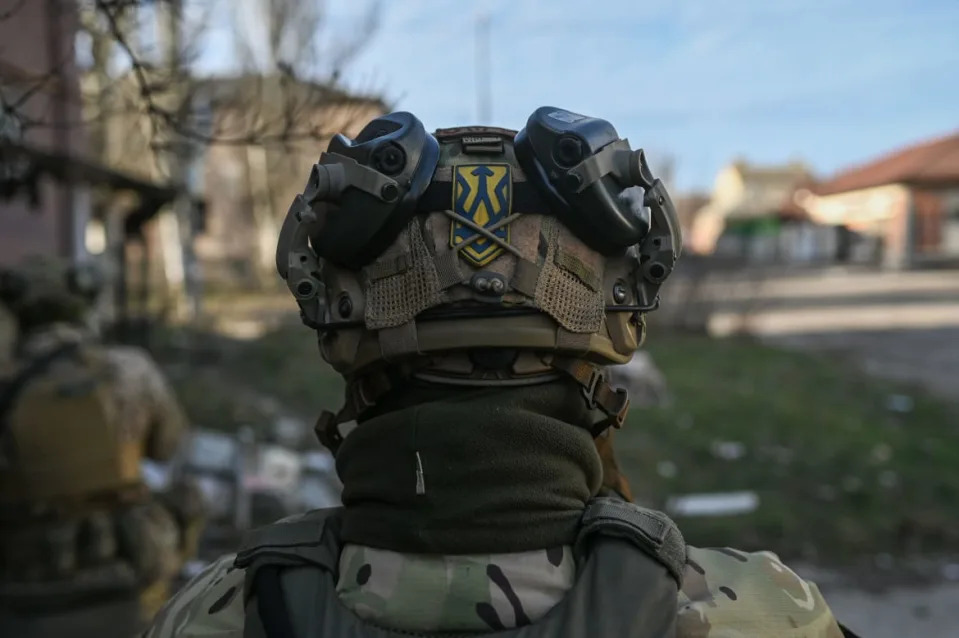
x,y
59,431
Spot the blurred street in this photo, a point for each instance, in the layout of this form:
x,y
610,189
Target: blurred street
x,y
929,612
874,610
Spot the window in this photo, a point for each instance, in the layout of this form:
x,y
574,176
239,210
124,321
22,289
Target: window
x,y
951,206
950,223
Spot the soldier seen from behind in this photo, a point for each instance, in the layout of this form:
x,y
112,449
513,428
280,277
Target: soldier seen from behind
x,y
471,286
85,548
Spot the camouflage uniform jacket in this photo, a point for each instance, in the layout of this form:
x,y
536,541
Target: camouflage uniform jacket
x,y
726,594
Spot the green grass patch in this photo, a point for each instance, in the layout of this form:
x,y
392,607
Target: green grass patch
x,y
839,474
289,365
224,383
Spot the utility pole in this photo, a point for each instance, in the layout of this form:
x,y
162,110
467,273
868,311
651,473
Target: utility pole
x,y
56,30
176,159
101,141
484,96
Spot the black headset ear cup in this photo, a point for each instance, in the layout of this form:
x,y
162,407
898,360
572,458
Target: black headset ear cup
x,y
13,286
552,149
395,146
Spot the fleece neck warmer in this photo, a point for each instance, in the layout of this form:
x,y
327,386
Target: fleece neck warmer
x,y
459,471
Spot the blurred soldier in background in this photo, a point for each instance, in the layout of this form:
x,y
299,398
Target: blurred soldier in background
x,y
472,286
85,548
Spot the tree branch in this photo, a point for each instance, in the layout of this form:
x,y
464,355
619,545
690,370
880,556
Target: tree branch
x,y
12,11
285,113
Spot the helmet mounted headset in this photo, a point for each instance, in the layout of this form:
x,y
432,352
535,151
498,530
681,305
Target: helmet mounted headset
x,y
363,195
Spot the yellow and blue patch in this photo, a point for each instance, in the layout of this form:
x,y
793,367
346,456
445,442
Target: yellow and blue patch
x,y
482,194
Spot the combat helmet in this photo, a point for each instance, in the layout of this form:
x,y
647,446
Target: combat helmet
x,y
478,256
43,289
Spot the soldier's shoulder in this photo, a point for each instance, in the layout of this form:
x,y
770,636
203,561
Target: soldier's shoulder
x,y
211,604
727,592
134,367
130,357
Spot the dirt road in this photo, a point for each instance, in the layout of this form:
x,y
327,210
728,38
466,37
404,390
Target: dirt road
x,y
931,612
903,326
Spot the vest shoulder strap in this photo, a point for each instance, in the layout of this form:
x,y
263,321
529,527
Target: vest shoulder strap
x,y
10,392
310,538
303,540
652,531
303,602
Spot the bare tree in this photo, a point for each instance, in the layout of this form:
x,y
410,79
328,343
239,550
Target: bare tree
x,y
142,99
278,39
290,93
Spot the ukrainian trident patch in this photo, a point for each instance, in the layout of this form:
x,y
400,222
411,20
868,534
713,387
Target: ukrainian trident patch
x,y
482,197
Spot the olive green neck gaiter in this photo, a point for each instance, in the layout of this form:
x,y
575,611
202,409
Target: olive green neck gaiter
x,y
458,471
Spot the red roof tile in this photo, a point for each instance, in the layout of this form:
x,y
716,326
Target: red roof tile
x,y
935,161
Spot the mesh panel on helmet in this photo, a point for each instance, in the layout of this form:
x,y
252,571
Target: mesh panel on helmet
x,y
397,298
576,306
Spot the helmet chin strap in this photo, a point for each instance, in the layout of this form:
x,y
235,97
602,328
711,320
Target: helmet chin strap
x,y
599,393
363,393
487,380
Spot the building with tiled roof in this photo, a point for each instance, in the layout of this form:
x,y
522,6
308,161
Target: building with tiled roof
x,y
744,192
908,199
933,163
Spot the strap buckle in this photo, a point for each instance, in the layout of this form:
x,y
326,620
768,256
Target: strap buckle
x,y
596,377
599,394
620,417
360,392
328,432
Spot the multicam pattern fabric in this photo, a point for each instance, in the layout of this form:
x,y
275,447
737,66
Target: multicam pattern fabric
x,y
210,605
731,594
453,593
726,594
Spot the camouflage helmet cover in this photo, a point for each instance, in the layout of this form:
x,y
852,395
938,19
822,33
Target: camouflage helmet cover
x,y
479,255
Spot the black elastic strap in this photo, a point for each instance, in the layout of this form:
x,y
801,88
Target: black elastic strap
x,y
11,391
525,198
271,605
652,531
362,393
327,430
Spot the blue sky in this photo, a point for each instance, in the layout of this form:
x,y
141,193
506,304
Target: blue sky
x,y
832,82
